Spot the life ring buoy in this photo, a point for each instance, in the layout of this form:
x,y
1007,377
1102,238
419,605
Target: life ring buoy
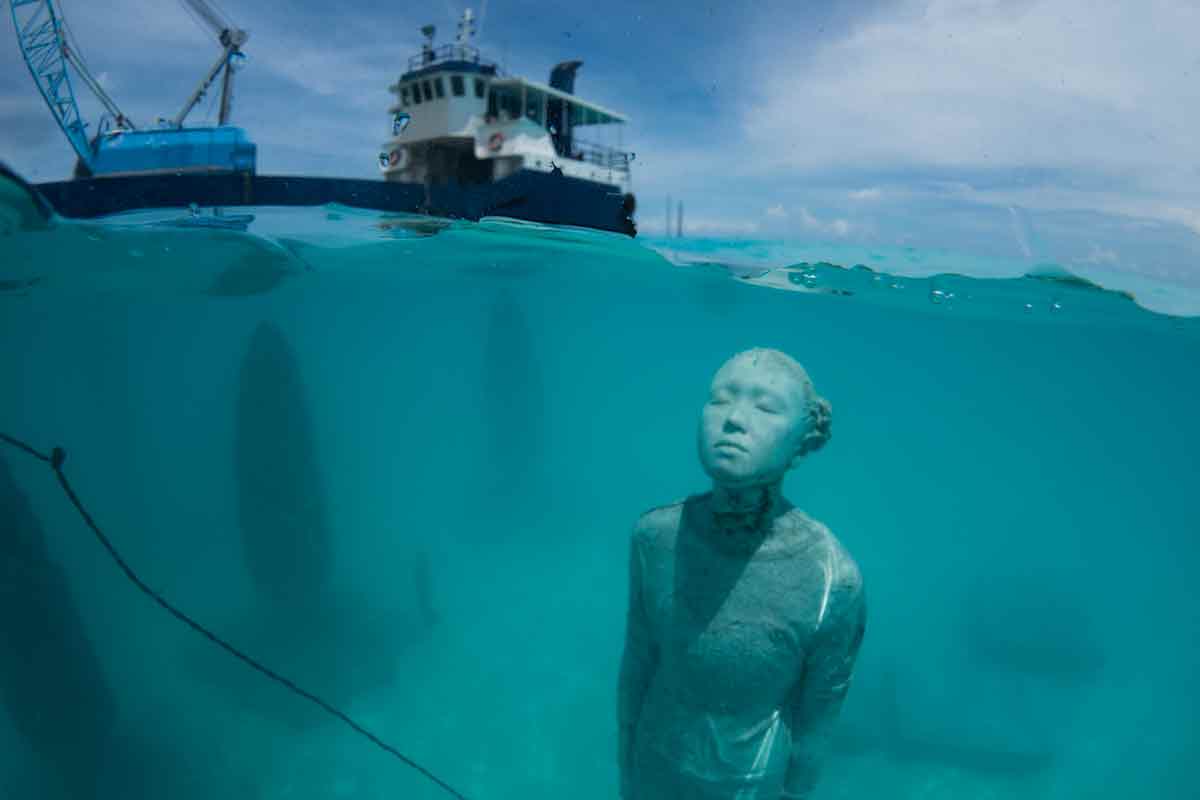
x,y
495,142
394,159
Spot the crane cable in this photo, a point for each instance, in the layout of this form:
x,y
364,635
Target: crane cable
x,y
56,458
69,38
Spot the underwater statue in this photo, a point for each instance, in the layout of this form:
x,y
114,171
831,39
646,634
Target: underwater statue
x,y
745,614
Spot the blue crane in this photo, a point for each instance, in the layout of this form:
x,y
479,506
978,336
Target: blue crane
x,y
119,147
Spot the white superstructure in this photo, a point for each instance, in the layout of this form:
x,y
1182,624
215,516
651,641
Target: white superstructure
x,y
459,119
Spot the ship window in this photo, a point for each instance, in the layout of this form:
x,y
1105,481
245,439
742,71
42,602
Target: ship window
x,y
428,87
504,102
439,87
582,115
479,87
404,95
416,93
533,104
456,85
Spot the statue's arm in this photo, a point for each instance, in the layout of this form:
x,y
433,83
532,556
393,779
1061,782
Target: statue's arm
x,y
817,699
638,663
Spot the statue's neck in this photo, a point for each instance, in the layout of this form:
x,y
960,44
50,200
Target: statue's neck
x,y
749,499
748,509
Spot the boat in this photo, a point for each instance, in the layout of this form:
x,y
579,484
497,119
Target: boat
x,y
467,141
460,120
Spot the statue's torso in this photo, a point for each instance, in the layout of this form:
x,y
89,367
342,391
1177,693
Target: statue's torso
x,y
731,625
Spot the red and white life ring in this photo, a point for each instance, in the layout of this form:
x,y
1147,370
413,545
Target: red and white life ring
x,y
394,159
495,142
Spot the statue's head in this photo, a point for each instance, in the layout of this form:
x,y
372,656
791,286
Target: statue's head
x,y
762,416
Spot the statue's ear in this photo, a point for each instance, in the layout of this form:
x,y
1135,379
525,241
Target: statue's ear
x,y
820,421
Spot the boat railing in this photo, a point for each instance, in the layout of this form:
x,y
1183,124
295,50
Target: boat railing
x,y
602,156
448,52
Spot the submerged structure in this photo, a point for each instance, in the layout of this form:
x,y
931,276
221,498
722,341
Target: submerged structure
x,y
336,640
513,405
282,516
52,683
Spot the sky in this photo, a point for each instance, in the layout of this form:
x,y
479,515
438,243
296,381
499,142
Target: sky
x,y
1035,130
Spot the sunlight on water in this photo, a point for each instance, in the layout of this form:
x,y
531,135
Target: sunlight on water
x,y
477,413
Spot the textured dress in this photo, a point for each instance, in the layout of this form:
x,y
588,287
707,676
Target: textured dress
x,y
740,642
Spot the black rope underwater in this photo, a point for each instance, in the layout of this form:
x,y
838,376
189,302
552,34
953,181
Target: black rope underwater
x,y
56,459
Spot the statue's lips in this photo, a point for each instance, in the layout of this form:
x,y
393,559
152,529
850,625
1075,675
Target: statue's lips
x,y
730,446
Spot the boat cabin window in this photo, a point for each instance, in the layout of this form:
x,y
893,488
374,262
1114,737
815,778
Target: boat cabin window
x,y
428,87
403,95
504,103
456,85
416,93
581,115
439,87
534,101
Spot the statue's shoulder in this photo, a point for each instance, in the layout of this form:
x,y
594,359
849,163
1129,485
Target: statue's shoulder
x,y
817,538
660,525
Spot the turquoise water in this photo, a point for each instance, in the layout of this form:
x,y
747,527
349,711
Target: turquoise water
x,y
490,407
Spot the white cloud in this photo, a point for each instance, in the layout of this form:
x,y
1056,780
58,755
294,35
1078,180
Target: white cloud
x,y
871,193
1186,216
777,211
839,228
1110,91
1099,255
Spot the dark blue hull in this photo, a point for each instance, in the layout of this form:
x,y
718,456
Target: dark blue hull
x,y
533,196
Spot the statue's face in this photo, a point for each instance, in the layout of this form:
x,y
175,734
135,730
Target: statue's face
x,y
752,425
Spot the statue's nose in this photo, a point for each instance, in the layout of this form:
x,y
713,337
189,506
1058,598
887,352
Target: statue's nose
x,y
735,419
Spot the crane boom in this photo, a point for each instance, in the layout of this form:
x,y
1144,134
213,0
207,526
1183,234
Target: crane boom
x,y
208,14
231,39
46,52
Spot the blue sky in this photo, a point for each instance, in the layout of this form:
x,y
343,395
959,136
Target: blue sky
x,y
1038,130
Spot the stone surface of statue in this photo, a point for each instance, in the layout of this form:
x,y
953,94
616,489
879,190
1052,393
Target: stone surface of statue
x,y
745,614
